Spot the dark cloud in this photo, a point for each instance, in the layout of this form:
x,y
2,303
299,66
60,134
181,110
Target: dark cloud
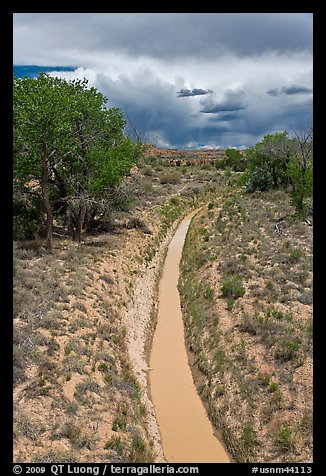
x,y
143,63
273,92
225,116
152,107
258,122
233,100
169,35
296,90
289,90
193,92
150,104
223,106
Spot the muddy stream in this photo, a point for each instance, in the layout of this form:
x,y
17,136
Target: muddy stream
x,y
186,432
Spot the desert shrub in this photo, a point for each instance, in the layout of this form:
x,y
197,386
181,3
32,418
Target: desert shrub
x,y
119,423
103,367
55,456
115,443
139,225
264,378
248,436
260,180
232,287
294,256
27,222
220,164
170,177
209,293
28,426
138,452
273,386
283,438
287,348
78,437
73,363
148,171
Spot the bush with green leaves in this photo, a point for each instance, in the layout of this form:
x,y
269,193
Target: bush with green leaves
x,y
283,438
235,160
232,287
170,177
28,215
260,180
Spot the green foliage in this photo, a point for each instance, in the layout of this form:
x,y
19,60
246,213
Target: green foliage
x,y
248,436
284,438
273,154
259,180
28,217
232,287
115,443
277,161
170,177
273,386
300,172
287,348
294,256
264,378
120,422
219,164
68,147
235,160
103,367
209,293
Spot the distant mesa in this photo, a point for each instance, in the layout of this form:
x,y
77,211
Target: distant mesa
x,y
153,151
185,156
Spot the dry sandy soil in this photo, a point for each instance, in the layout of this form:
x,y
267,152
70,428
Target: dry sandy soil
x,y
83,318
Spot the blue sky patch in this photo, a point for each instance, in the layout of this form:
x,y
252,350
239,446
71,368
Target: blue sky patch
x,y
32,71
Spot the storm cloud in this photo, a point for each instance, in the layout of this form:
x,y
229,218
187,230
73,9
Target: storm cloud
x,y
244,74
289,90
193,92
231,101
168,35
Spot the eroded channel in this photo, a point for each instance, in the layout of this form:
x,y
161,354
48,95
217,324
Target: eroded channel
x,y
187,433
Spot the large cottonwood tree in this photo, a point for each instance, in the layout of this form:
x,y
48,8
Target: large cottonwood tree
x,y
68,147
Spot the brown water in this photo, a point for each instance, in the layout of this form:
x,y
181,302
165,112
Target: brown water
x,y
186,432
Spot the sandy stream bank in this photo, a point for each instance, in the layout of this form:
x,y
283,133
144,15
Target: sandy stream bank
x,y
139,320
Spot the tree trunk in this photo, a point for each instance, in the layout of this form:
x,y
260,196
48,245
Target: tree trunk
x,y
299,203
69,223
60,183
90,221
80,224
274,176
46,200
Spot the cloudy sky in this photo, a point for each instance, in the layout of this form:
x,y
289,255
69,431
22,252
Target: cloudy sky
x,y
184,80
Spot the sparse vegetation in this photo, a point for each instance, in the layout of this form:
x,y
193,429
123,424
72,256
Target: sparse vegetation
x,y
283,438
170,177
254,288
232,287
67,309
263,334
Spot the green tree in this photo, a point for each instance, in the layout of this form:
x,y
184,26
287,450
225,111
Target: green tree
x,y
300,168
235,160
42,120
69,149
269,159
